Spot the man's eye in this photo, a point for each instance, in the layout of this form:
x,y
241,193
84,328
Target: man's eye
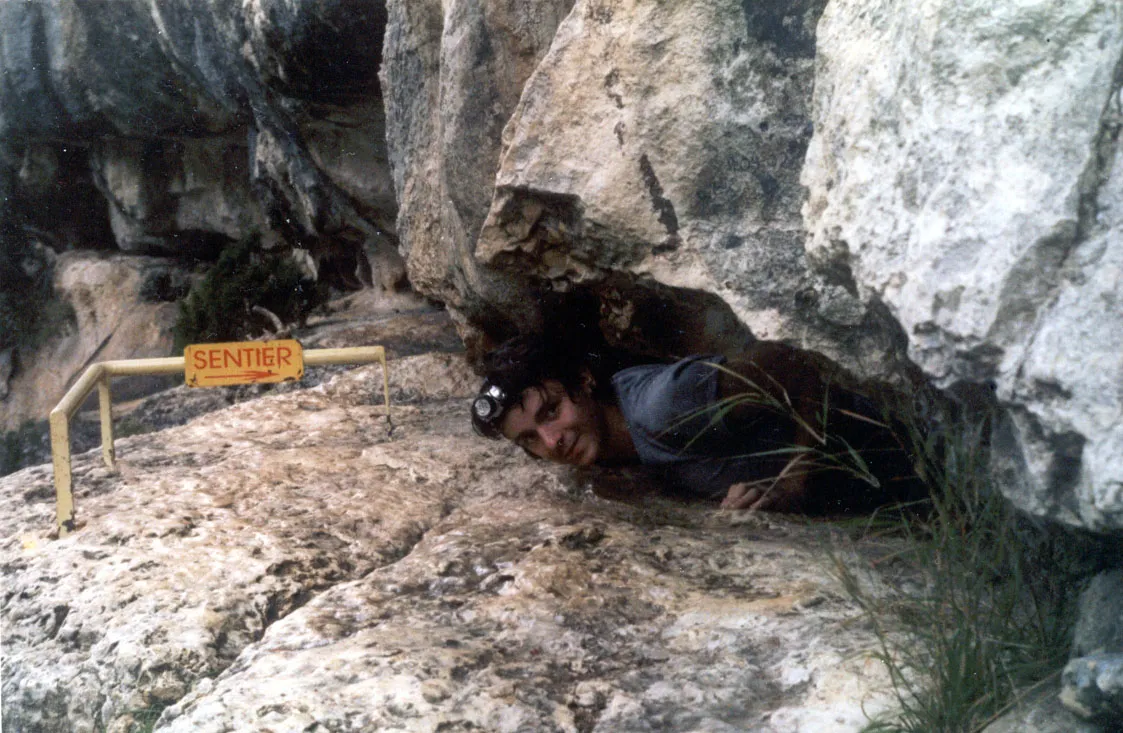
x,y
552,411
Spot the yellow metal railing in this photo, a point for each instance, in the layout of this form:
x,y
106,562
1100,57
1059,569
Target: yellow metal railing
x,y
98,375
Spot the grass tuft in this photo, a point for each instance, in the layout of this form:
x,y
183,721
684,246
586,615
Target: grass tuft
x,y
144,719
984,609
989,614
821,451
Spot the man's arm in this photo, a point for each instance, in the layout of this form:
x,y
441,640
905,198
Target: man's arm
x,y
787,387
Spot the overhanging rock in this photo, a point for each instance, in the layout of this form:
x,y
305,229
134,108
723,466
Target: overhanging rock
x,y
967,169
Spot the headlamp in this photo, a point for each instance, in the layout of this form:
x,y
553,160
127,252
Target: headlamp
x,y
488,408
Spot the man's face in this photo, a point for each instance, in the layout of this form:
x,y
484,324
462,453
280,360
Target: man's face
x,y
547,422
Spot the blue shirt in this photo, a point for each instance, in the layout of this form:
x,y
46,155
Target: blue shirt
x,y
677,425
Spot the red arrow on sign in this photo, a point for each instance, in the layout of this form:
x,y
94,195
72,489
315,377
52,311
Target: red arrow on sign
x,y
253,375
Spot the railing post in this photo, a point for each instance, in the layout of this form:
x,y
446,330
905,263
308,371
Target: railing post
x,y
385,383
60,450
105,407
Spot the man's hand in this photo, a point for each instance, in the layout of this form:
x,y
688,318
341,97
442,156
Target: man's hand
x,y
785,495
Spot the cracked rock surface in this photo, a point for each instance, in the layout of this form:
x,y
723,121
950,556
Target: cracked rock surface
x,y
291,563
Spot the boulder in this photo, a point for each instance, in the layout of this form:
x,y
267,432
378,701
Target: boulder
x,y
649,154
661,144
1041,711
1092,688
1099,623
966,170
1092,681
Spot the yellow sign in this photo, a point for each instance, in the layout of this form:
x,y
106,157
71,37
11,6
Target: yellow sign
x,y
245,362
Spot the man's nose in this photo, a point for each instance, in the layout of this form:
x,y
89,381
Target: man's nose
x,y
550,436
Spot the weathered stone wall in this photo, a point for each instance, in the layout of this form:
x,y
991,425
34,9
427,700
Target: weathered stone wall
x,y
665,141
653,156
452,75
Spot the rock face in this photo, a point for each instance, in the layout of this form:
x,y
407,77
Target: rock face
x,y
291,562
222,121
171,129
1092,681
931,191
966,169
676,134
452,75
1099,627
111,311
653,158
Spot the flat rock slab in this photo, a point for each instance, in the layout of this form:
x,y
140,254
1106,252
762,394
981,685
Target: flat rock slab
x,y
294,563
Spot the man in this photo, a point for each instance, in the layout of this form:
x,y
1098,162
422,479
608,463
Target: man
x,y
766,431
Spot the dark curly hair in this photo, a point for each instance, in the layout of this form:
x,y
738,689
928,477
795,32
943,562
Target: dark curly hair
x,y
528,361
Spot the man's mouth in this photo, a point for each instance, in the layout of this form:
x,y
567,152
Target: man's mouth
x,y
577,453
571,451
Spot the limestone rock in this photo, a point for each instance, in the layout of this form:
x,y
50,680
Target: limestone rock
x,y
111,320
1099,625
224,121
212,590
965,170
452,74
949,188
1092,687
664,141
293,561
938,181
865,181
1042,712
188,199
